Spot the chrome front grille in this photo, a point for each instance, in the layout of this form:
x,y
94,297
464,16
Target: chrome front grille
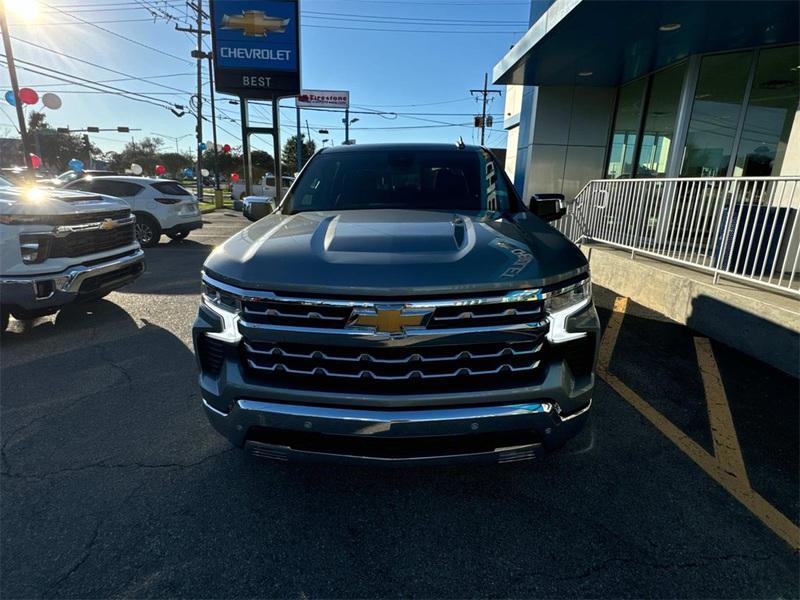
x,y
82,243
296,314
487,314
393,369
454,314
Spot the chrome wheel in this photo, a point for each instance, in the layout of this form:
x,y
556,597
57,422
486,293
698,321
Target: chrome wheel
x,y
144,233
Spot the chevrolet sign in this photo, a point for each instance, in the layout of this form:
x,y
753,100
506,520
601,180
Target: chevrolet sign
x,y
256,47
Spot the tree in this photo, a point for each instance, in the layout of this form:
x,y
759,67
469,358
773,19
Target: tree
x,y
228,162
175,162
57,149
145,152
262,163
289,154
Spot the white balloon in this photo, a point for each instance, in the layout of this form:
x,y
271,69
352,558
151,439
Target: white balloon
x,y
136,169
204,172
51,101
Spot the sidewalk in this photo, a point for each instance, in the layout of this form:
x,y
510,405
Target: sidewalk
x,y
758,322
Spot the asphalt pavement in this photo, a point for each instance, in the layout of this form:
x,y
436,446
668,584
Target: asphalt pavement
x,y
114,485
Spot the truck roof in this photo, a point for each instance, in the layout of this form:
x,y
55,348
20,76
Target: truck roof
x,y
409,147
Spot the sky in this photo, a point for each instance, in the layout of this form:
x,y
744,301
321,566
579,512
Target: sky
x,y
416,60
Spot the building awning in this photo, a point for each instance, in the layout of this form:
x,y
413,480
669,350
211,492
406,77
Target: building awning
x,y
608,42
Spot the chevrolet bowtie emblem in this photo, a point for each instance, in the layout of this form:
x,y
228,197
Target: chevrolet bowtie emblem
x,y
255,23
108,225
387,319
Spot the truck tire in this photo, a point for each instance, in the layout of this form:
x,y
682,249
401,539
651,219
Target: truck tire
x,y
148,231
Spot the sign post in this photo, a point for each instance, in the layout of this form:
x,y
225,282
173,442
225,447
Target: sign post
x,y
257,56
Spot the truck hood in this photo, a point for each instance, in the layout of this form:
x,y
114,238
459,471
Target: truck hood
x,y
395,252
48,201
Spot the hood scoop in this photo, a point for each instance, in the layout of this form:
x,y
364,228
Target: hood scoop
x,y
376,238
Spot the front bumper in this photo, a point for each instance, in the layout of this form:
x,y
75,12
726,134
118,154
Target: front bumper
x,y
480,434
42,292
514,420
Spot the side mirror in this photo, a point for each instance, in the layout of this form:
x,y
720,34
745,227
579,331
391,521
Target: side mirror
x,y
548,207
255,208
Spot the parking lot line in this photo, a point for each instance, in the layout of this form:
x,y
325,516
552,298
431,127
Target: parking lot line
x,y
726,443
713,466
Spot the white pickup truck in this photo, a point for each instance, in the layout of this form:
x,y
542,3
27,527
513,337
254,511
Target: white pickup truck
x,y
265,188
58,247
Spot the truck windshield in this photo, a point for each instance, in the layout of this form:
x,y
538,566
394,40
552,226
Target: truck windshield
x,y
353,180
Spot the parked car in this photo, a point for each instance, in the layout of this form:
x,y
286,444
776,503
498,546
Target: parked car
x,y
402,304
265,187
256,207
60,247
69,176
23,176
161,206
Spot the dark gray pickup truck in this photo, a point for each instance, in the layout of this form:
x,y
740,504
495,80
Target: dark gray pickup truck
x,y
401,305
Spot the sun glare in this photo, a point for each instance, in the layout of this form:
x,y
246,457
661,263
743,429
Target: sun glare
x,y
27,10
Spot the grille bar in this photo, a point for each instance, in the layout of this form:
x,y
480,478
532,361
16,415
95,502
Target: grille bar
x,y
366,357
416,374
392,369
511,312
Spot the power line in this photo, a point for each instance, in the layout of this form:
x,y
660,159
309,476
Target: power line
x,y
32,67
119,35
411,30
92,64
392,19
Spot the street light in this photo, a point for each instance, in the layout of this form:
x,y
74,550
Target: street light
x,y
172,137
347,122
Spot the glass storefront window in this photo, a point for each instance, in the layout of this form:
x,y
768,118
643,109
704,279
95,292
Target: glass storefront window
x,y
770,113
659,122
626,129
715,114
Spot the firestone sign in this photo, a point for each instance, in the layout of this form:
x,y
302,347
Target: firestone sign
x,y
317,98
256,47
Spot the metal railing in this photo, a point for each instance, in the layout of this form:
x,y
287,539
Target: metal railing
x,y
743,228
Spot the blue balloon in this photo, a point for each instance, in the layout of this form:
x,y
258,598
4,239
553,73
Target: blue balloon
x,y
75,165
10,98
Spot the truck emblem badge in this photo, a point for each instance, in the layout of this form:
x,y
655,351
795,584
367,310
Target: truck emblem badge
x,y
392,320
108,225
255,23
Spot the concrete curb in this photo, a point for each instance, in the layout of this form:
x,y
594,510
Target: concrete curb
x,y
760,324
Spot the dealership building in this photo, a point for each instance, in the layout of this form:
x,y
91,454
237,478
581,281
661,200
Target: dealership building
x,y
645,89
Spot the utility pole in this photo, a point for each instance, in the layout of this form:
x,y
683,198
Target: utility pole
x,y
200,55
12,73
209,56
347,125
299,144
485,92
199,100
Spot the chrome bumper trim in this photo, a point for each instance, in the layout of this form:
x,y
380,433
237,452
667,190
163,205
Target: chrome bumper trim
x,y
70,280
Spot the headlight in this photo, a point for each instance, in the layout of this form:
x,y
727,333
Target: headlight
x,y
226,306
562,305
569,297
217,298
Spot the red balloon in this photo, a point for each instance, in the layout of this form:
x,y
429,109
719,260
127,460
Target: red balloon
x,y
226,148
234,177
160,169
28,96
36,162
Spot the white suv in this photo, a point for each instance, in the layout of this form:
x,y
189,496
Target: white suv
x,y
161,206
